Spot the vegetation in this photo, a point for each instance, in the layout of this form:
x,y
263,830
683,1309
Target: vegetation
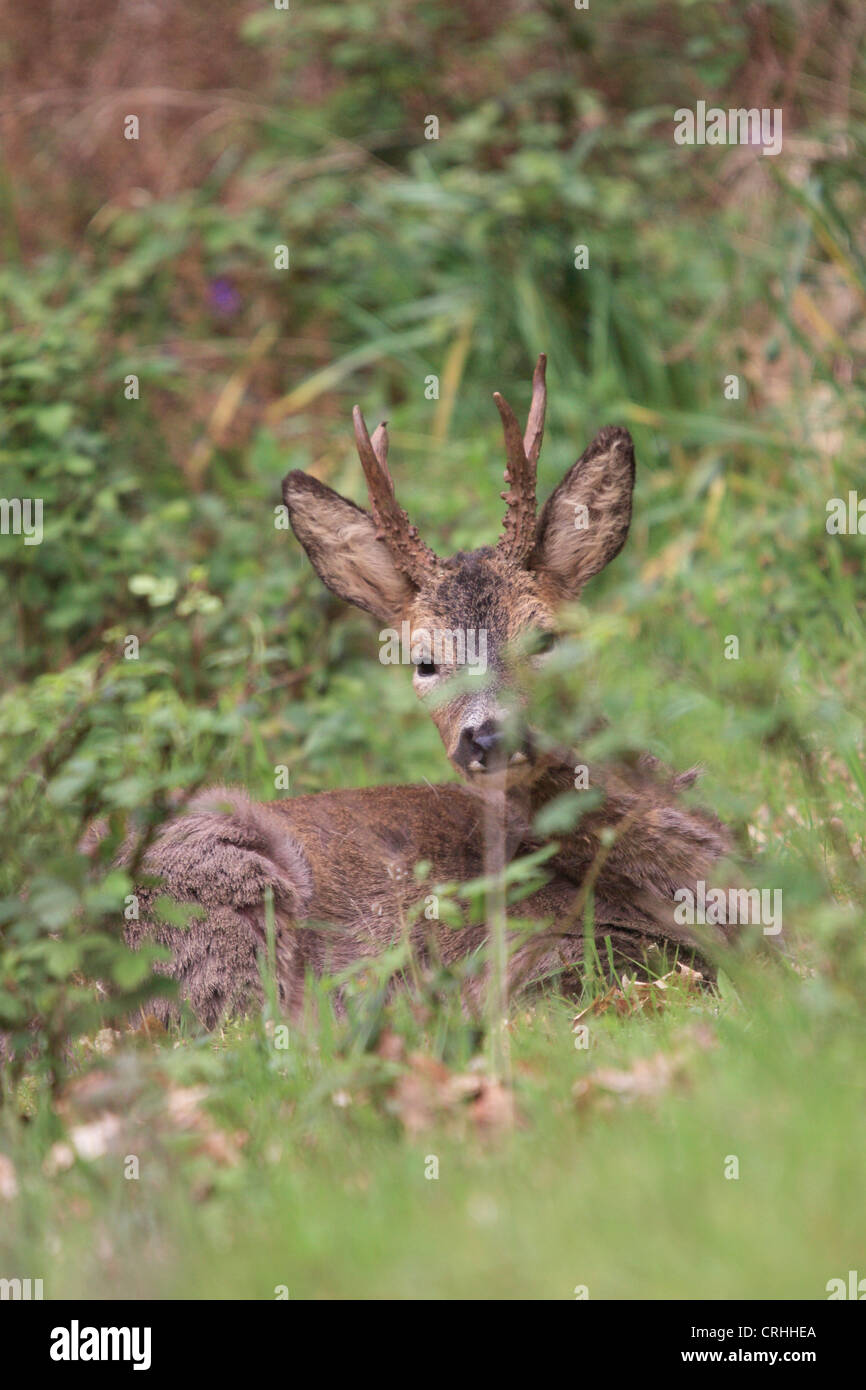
x,y
303,1166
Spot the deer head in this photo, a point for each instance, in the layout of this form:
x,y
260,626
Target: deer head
x,y
465,616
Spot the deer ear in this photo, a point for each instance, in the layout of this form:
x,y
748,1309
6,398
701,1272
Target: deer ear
x,y
584,523
340,541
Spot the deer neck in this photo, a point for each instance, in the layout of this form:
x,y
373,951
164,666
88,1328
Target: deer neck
x,y
659,843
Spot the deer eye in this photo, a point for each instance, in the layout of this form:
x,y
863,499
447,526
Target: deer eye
x,y
425,668
545,642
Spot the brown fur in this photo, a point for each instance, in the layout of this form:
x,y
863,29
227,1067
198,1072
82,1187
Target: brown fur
x,y
340,866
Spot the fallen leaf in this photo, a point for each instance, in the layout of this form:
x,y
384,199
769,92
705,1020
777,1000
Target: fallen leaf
x,y
183,1104
95,1139
638,996
427,1093
112,1110
646,1080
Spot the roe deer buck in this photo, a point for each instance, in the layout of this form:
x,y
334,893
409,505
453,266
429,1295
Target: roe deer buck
x,y
345,859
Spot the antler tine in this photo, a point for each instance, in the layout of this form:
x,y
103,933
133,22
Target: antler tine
x,y
518,535
380,449
407,550
537,410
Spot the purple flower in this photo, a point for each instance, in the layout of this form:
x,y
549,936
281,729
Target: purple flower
x,y
224,298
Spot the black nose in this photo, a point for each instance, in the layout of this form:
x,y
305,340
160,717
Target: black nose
x,y
483,745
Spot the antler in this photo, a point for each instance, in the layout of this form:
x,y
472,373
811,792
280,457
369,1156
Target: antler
x,y
518,536
407,550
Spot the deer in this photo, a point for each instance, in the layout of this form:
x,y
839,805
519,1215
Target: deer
x,y
331,875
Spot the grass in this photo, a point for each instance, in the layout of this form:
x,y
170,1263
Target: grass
x,y
624,1193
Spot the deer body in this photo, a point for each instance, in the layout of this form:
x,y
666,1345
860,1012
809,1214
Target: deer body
x,y
340,866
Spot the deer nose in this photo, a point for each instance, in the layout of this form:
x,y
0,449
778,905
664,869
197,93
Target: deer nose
x,y
482,745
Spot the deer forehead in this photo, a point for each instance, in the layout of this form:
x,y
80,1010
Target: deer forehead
x,y
481,591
